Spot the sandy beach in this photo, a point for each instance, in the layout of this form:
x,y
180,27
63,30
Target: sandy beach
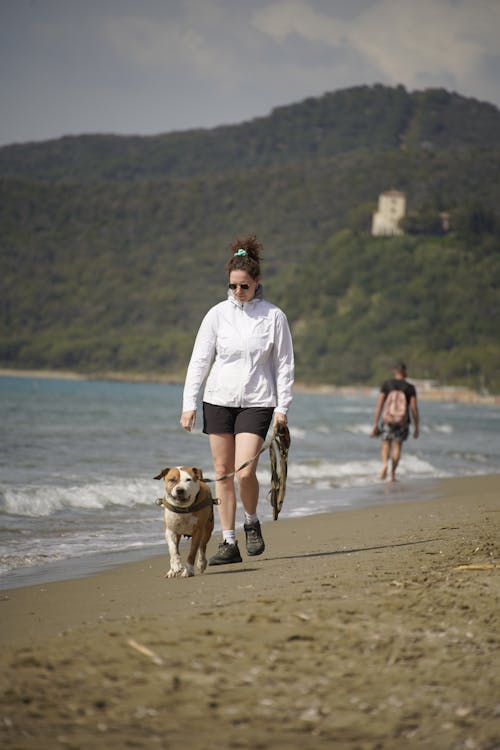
x,y
373,628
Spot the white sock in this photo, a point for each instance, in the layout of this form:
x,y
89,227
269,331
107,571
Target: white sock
x,y
229,536
251,518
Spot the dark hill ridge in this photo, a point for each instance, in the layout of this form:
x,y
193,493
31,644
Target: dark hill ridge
x,y
364,117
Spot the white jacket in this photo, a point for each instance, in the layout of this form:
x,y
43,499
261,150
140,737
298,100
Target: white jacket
x,y
246,351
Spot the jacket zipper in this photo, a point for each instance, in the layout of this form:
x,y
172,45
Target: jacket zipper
x,y
245,355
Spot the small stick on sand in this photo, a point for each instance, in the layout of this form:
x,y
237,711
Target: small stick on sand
x,y
145,651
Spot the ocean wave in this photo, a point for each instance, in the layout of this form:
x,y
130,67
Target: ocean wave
x,y
443,429
323,429
47,500
469,456
55,546
74,485
326,474
359,429
297,433
353,409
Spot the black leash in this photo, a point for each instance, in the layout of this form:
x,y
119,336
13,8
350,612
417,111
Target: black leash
x,y
277,430
280,440
280,443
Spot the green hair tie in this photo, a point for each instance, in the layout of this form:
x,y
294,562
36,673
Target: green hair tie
x,y
240,252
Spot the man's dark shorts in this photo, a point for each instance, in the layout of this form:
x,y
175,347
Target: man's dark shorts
x,y
399,433
231,419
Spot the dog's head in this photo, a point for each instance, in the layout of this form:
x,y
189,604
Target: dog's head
x,y
182,484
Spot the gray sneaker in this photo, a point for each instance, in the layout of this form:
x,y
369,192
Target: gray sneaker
x,y
226,554
254,540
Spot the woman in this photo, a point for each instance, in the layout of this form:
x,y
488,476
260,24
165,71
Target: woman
x,y
244,346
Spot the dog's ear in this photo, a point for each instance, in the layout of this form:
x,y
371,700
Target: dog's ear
x,y
198,473
162,473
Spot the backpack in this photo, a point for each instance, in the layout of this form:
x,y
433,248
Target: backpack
x,y
395,411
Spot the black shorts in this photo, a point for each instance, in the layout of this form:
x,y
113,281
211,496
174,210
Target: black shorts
x,y
234,419
397,432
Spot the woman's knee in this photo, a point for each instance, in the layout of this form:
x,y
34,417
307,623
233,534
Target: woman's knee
x,y
247,476
221,468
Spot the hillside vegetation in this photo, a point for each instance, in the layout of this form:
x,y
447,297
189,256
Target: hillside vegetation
x,y
112,248
376,118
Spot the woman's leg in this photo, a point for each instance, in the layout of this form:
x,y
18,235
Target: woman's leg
x,y
247,446
223,457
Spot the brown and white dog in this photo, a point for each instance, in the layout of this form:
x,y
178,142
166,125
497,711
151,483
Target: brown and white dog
x,y
188,511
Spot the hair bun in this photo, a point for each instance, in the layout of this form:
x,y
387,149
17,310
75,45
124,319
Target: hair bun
x,y
245,256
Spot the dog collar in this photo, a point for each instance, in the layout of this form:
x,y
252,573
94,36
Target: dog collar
x,y
189,509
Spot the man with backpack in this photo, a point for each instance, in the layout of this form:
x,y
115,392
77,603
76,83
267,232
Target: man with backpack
x,y
391,419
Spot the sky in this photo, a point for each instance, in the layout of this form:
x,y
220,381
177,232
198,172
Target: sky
x,y
145,67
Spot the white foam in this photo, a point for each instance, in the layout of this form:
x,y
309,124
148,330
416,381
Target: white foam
x,y
359,429
321,474
323,429
297,433
46,500
328,474
443,429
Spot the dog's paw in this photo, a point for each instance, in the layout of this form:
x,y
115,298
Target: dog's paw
x,y
188,571
202,565
174,573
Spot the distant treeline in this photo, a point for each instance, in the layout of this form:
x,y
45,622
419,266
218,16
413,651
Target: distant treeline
x,y
375,118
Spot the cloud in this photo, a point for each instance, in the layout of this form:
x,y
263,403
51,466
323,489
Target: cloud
x,y
199,40
432,42
421,43
149,44
281,20
160,65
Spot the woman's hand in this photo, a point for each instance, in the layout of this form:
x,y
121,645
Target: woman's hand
x,y
188,419
279,418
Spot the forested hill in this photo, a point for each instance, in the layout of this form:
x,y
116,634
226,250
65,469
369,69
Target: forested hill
x,y
112,248
364,117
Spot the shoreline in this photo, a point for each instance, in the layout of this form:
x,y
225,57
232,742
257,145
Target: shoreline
x,y
426,391
347,500
367,628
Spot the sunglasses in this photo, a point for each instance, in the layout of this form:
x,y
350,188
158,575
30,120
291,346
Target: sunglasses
x,y
243,287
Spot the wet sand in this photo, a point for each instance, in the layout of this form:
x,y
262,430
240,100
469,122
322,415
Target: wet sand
x,y
366,629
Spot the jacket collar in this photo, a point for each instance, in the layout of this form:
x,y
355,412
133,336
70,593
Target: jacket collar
x,y
259,294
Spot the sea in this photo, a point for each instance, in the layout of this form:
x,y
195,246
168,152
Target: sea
x,y
78,457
